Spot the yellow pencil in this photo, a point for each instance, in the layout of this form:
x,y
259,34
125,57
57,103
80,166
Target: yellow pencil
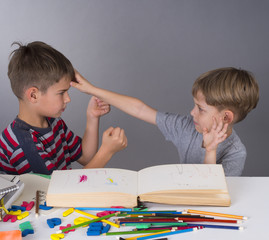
x,y
217,214
146,235
93,216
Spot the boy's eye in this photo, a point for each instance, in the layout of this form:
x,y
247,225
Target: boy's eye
x,y
200,109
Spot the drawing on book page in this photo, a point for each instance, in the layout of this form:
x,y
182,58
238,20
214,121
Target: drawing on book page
x,y
94,180
181,176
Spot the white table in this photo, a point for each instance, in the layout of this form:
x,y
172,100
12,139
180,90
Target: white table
x,y
249,195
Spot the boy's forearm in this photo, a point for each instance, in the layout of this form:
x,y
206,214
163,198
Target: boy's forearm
x,y
90,140
100,159
210,157
127,104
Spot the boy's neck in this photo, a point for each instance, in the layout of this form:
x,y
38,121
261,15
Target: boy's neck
x,y
31,117
229,131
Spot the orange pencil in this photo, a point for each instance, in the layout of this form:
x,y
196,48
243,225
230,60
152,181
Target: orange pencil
x,y
217,214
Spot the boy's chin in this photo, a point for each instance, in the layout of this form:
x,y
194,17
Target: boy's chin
x,y
198,129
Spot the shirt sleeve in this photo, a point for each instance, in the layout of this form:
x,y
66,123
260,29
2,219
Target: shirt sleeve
x,y
173,126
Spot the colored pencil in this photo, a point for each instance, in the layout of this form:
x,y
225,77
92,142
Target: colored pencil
x,y
146,235
133,232
136,215
166,234
217,226
180,215
171,220
164,211
119,221
173,228
87,223
105,209
209,220
217,214
37,203
93,216
173,224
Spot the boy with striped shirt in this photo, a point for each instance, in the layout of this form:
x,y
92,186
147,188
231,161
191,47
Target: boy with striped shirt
x,y
38,140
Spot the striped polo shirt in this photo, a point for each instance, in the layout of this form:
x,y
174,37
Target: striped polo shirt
x,y
27,149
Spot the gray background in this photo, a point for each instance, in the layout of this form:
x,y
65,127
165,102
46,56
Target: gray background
x,y
150,49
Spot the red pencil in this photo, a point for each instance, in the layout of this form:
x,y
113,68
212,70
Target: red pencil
x,y
208,220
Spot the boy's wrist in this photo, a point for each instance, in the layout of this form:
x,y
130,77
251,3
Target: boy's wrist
x,y
104,152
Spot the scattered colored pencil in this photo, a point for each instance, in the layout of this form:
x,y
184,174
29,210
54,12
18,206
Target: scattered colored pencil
x,y
93,216
133,232
87,223
105,209
166,233
216,214
37,203
217,226
147,235
171,220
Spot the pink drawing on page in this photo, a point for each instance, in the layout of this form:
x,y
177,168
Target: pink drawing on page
x,y
83,178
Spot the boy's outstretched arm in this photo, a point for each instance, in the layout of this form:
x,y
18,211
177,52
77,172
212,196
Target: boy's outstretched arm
x,y
129,105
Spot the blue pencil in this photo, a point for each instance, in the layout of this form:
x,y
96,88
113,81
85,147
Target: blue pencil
x,y
217,226
105,209
166,234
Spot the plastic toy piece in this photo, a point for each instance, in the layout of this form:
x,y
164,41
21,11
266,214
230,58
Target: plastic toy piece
x,y
57,236
52,222
80,220
17,212
15,208
26,228
97,228
23,215
68,225
26,232
12,218
106,228
44,206
68,212
25,225
28,206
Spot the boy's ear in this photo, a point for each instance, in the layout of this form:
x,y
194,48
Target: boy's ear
x,y
32,94
228,116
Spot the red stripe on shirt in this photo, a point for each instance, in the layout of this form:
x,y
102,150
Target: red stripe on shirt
x,y
10,139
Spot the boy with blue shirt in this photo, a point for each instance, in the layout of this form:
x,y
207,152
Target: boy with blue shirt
x,y
38,140
222,97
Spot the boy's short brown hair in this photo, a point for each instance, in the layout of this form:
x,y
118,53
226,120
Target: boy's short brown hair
x,y
37,64
231,88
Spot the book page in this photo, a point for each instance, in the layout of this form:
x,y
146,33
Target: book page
x,y
93,180
181,176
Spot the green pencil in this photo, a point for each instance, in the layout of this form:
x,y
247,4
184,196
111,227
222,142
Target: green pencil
x,y
132,232
88,222
145,225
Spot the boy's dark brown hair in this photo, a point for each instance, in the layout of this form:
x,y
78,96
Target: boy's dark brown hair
x,y
37,65
231,88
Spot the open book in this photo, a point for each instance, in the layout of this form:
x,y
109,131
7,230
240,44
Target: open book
x,y
188,184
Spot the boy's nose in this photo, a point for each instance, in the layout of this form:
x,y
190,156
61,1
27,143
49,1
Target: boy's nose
x,y
192,112
67,98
